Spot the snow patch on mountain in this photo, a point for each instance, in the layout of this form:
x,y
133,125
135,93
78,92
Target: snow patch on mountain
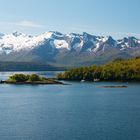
x,y
61,44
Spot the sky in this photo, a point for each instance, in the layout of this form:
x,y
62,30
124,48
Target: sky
x,y
117,18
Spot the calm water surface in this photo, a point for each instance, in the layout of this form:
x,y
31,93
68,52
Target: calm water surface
x,y
79,111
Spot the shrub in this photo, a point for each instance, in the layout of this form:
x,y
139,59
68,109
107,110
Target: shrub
x,y
24,78
34,77
19,78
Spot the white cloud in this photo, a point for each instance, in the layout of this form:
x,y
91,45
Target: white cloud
x,y
26,23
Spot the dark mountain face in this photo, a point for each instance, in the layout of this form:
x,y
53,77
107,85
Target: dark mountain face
x,y
66,49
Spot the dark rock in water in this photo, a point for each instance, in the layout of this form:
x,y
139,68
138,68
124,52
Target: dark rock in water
x,y
115,86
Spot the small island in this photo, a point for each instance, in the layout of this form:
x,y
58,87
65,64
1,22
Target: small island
x,y
29,79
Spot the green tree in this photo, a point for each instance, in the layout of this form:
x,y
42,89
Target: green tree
x,y
19,78
34,77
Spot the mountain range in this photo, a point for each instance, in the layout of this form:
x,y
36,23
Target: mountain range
x,y
57,49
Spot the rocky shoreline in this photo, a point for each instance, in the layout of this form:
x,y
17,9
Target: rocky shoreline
x,y
47,82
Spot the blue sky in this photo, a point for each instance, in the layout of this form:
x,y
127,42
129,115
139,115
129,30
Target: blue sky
x,y
99,17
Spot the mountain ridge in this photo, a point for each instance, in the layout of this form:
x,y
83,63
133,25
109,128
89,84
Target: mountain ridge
x,y
71,49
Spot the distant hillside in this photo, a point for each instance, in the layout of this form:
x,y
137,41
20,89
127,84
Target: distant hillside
x,y
26,66
117,70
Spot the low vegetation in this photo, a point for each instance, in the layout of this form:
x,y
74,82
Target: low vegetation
x,y
24,78
117,70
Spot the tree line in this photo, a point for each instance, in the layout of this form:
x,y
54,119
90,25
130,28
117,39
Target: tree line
x,y
117,70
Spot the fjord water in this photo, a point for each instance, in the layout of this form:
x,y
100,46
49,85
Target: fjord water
x,y
78,111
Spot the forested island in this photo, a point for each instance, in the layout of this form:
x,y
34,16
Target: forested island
x,y
117,70
29,79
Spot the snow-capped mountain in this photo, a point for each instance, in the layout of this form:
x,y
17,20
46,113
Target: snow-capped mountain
x,y
57,48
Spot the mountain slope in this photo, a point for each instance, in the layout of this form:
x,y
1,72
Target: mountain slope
x,y
65,49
